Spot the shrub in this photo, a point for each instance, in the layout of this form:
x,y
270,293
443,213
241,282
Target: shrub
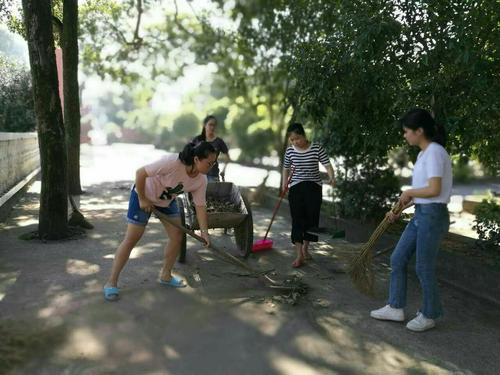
x,y
462,170
16,98
369,193
487,225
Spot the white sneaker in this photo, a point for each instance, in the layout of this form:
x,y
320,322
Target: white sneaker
x,y
420,323
388,313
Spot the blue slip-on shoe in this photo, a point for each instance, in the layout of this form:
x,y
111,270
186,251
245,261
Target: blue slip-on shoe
x,y
111,293
174,282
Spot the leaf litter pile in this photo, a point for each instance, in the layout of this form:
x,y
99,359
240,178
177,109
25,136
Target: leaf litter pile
x,y
214,205
296,289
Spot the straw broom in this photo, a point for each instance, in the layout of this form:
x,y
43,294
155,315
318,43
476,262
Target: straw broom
x,y
360,268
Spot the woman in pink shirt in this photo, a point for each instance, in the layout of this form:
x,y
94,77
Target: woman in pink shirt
x,y
157,185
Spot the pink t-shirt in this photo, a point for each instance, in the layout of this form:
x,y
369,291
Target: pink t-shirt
x,y
167,178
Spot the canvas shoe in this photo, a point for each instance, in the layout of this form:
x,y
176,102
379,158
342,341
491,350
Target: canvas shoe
x,y
420,323
388,313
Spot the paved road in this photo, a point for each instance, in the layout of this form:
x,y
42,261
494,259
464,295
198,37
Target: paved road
x,y
224,322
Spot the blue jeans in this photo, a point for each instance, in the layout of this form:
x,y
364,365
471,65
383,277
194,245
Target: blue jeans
x,y
422,235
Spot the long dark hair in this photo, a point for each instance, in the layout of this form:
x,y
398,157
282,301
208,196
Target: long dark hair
x,y
202,150
420,118
297,128
203,135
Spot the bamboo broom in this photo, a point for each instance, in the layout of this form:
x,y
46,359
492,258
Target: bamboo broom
x,y
360,268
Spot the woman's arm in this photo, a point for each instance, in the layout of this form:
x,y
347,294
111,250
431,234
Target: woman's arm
x,y
431,190
201,215
286,174
140,186
331,174
407,196
226,162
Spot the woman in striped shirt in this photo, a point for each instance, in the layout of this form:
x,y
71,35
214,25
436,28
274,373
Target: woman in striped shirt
x,y
305,194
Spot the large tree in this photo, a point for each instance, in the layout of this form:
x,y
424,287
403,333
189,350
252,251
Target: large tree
x,y
53,214
69,41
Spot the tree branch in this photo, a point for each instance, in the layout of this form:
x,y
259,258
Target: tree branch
x,y
137,39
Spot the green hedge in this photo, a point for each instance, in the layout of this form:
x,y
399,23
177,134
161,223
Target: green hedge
x,y
16,98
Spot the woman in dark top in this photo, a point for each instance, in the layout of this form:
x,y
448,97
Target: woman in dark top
x,y
208,134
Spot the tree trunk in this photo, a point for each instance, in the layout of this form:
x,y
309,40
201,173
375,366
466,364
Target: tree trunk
x,y
53,215
71,94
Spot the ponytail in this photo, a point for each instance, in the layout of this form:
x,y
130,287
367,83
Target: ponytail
x,y
420,118
201,150
186,156
440,136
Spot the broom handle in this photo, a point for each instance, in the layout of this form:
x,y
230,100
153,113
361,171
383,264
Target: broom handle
x,y
384,224
279,202
214,248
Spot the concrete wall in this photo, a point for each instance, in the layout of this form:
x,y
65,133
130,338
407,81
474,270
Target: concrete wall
x,y
19,156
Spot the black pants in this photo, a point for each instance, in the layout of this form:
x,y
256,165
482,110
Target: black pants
x,y
305,204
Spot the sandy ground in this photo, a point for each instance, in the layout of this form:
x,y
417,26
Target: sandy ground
x,y
224,322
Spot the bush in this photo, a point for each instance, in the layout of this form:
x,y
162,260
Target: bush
x,y
16,98
462,170
254,144
369,193
487,225
185,127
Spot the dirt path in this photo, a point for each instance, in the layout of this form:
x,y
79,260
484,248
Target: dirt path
x,y
223,322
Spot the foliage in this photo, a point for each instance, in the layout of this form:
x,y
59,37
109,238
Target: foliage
x,y
121,43
248,73
185,126
358,65
462,171
487,224
367,192
254,143
16,98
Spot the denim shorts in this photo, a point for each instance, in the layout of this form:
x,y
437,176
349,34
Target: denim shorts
x,y
137,216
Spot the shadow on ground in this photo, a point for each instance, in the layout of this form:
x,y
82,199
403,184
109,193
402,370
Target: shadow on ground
x,y
224,321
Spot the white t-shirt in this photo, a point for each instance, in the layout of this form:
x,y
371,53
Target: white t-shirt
x,y
433,162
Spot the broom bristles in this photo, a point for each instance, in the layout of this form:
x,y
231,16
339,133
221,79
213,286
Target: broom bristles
x,y
361,272
360,268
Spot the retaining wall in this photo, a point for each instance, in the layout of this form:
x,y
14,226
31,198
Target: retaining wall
x,y
19,157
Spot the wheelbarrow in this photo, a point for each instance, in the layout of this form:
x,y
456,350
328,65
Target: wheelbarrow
x,y
241,221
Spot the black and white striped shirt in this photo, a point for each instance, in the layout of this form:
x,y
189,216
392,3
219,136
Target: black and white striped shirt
x,y
305,163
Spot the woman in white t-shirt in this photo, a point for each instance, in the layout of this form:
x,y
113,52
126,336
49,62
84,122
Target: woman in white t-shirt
x,y
157,185
430,193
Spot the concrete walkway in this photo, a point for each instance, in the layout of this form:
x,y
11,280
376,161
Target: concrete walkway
x,y
224,322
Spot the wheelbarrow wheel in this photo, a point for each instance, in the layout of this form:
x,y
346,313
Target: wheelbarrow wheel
x,y
243,233
182,254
